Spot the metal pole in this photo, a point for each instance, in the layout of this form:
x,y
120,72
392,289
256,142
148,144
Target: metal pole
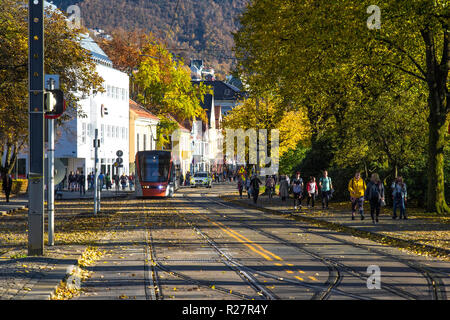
x,y
51,181
50,175
96,200
36,128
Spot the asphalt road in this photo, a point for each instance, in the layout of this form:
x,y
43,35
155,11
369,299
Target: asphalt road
x,y
196,246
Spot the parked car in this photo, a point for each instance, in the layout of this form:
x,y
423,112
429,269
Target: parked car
x,y
201,179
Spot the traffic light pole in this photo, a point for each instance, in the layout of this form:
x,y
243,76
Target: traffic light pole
x,y
96,174
36,128
51,179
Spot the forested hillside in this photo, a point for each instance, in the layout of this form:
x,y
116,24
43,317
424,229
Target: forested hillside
x,y
203,28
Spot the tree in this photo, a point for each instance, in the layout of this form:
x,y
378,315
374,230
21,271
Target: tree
x,y
165,86
64,56
315,51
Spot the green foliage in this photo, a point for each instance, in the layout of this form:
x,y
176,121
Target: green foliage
x,y
165,86
63,56
373,94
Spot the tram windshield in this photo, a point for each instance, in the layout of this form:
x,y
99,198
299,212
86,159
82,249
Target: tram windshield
x,y
154,168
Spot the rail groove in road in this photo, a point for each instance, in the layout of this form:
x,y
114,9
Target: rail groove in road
x,y
202,283
436,287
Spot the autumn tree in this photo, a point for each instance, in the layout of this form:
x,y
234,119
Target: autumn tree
x,y
314,54
64,56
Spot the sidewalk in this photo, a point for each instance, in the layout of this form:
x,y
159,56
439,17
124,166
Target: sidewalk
x,y
422,234
25,277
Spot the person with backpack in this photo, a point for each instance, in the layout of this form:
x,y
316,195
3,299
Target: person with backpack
x,y
375,195
326,188
357,188
254,185
311,188
399,195
297,188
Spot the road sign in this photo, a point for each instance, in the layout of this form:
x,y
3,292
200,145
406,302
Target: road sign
x,y
119,153
119,160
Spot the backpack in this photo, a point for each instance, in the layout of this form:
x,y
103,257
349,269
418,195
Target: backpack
x,y
297,187
374,192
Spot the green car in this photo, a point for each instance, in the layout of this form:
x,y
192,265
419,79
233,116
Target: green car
x,y
201,179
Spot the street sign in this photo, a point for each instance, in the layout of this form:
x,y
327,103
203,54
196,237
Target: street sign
x,y
119,160
119,153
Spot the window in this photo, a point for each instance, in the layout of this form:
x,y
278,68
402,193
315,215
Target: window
x,y
108,91
108,131
145,142
117,132
102,133
83,132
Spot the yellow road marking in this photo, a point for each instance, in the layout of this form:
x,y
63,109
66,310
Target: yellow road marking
x,y
313,278
298,278
301,271
289,271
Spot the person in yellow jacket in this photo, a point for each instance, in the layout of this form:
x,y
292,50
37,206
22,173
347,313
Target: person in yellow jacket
x,y
357,188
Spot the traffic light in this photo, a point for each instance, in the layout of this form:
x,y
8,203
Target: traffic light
x,y
103,110
54,104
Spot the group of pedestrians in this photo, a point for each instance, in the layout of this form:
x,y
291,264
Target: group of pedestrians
x,y
123,180
373,192
76,182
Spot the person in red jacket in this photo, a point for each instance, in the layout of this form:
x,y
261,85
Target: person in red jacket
x,y
312,190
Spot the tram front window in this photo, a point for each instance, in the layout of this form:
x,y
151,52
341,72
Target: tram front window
x,y
155,168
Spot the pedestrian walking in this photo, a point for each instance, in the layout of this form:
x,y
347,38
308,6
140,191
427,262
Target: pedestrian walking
x,y
312,190
82,183
357,188
270,186
284,188
375,195
399,195
326,188
108,181
131,181
254,185
123,181
297,189
101,180
71,181
89,179
248,186
240,186
7,185
117,182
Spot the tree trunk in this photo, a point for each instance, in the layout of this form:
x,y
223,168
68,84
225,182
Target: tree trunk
x,y
437,74
436,195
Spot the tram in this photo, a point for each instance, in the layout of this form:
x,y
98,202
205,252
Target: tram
x,y
156,174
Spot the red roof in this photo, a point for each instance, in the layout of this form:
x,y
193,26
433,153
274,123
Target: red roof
x,y
141,111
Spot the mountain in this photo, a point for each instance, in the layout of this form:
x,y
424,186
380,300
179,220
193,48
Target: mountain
x,y
203,28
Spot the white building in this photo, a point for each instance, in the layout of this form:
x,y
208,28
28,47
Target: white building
x,y
108,112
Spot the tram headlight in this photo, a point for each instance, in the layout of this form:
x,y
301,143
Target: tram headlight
x,y
160,187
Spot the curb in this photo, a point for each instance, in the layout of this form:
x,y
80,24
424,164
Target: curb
x,y
374,236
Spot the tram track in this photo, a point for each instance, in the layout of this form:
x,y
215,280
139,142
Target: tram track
x,y
436,287
322,292
156,288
